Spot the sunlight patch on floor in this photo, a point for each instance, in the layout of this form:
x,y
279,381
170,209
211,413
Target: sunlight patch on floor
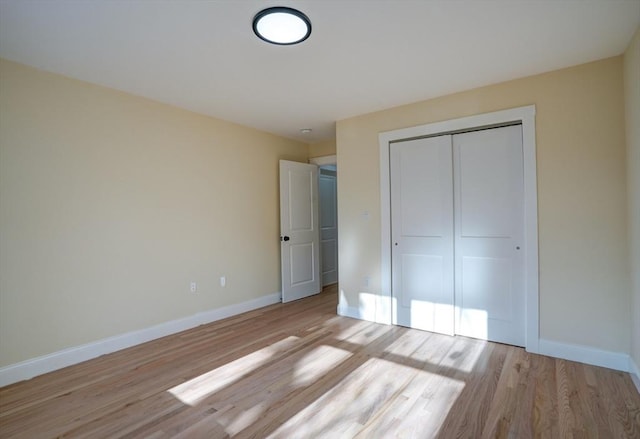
x,y
354,328
317,363
363,333
238,422
195,390
469,351
356,404
425,414
246,408
345,408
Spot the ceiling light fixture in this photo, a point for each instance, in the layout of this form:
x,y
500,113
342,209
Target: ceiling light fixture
x,y
305,130
282,26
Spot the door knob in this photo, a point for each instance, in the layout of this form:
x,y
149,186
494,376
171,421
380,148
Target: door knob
x,y
285,238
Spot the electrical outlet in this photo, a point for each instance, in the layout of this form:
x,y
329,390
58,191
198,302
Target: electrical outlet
x,y
193,287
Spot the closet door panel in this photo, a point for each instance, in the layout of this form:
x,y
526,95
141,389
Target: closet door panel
x,y
422,234
489,231
485,189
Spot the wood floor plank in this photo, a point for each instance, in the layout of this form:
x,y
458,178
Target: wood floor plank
x,y
297,370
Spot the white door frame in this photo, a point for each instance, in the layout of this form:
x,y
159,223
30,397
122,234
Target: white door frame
x,y
525,116
324,160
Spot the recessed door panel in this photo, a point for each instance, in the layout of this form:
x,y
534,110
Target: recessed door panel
x,y
486,283
327,191
329,263
421,279
421,190
485,188
301,263
301,200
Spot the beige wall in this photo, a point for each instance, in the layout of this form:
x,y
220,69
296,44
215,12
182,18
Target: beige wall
x,y
111,204
322,149
584,275
632,101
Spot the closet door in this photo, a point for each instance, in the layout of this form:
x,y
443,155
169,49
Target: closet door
x,y
489,231
422,234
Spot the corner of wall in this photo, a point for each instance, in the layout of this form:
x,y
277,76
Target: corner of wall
x,y
585,354
631,71
322,149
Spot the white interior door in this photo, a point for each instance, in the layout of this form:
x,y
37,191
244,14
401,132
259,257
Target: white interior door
x,y
489,235
327,188
299,231
422,234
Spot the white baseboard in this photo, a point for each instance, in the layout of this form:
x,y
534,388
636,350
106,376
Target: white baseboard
x,y
67,357
371,309
367,313
585,354
634,371
349,311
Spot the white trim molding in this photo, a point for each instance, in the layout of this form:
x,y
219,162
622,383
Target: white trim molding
x,y
350,311
67,357
324,160
370,315
526,117
368,308
634,371
585,354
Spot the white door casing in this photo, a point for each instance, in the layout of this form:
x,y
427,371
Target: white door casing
x,y
489,229
299,230
422,234
327,190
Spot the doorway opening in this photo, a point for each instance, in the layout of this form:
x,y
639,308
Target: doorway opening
x,y
328,218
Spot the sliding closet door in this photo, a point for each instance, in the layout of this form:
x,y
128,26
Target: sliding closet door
x,y
422,234
489,232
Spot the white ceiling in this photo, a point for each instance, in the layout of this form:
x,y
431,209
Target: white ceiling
x,y
362,56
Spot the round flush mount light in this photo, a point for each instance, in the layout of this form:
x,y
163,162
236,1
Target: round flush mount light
x,y
282,26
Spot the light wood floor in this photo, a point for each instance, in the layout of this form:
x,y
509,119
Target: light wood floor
x,y
299,371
